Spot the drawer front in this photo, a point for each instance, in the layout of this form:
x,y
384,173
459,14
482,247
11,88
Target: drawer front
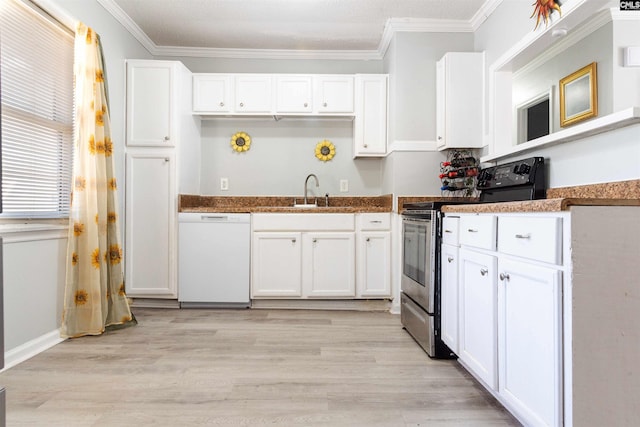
x,y
374,221
478,231
450,227
530,237
302,222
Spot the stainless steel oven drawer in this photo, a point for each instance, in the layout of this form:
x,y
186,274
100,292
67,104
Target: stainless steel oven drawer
x,y
418,323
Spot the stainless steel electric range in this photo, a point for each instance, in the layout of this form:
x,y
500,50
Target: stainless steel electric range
x,y
422,233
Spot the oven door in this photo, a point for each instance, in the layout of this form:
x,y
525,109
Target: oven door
x,y
418,259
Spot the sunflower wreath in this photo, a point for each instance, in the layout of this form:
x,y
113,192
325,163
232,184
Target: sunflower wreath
x,y
325,150
240,142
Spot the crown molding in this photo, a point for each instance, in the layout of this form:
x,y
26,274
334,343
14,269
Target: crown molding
x,y
392,26
129,24
408,25
204,52
483,13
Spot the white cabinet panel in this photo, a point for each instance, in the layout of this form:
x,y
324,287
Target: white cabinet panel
x,y
294,94
212,93
478,231
253,93
150,103
370,123
449,296
334,94
530,338
329,260
478,315
537,238
276,264
151,224
374,264
450,230
459,86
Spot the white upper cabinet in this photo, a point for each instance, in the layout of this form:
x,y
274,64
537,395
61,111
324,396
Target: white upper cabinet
x,y
212,93
370,123
151,103
253,93
459,83
294,94
334,94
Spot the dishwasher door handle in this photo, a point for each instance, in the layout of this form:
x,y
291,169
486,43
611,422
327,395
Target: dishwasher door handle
x,y
214,217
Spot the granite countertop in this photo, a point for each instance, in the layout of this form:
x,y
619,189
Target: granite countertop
x,y
622,193
282,204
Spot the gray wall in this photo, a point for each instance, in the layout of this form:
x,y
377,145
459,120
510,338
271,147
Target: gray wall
x,y
282,154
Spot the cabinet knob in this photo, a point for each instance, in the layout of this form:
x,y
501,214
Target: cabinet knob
x,y
448,231
439,138
222,104
293,240
324,104
523,236
365,146
166,138
315,240
368,239
242,104
471,230
484,271
449,259
166,160
305,104
504,276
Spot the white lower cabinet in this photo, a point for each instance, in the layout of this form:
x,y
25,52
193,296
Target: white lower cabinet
x,y
150,211
303,256
328,265
478,314
449,296
277,264
510,280
530,340
374,264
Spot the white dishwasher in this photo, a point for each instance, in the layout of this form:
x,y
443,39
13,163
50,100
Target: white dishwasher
x,y
213,259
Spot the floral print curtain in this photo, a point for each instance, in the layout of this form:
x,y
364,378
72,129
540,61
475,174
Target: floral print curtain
x,y
94,295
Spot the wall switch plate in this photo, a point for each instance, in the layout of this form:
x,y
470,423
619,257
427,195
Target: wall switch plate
x,y
344,185
224,184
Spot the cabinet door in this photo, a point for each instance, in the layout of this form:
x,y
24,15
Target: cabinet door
x,y
212,93
529,337
253,94
150,224
293,94
478,315
370,123
334,94
459,95
374,264
329,265
150,103
276,264
441,104
449,296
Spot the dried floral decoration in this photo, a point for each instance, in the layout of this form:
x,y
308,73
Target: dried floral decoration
x,y
543,8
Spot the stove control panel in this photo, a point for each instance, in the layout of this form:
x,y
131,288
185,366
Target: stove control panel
x,y
520,173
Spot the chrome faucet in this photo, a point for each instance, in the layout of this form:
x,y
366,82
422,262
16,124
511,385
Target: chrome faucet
x,y
306,182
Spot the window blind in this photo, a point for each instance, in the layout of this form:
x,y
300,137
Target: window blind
x,y
36,78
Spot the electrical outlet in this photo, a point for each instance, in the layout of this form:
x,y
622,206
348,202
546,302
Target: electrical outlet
x,y
344,185
224,184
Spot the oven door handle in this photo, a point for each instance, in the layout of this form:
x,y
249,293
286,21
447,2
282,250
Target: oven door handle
x,y
417,220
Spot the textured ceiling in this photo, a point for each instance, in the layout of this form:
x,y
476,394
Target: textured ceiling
x,y
284,24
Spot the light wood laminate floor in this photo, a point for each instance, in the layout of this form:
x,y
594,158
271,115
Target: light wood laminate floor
x,y
247,368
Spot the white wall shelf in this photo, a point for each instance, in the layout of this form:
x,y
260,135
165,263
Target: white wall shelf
x,y
620,119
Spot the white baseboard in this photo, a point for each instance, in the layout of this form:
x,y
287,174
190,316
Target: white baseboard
x,y
31,348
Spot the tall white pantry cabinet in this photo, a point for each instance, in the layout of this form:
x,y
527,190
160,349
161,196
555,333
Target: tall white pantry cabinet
x,y
161,161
